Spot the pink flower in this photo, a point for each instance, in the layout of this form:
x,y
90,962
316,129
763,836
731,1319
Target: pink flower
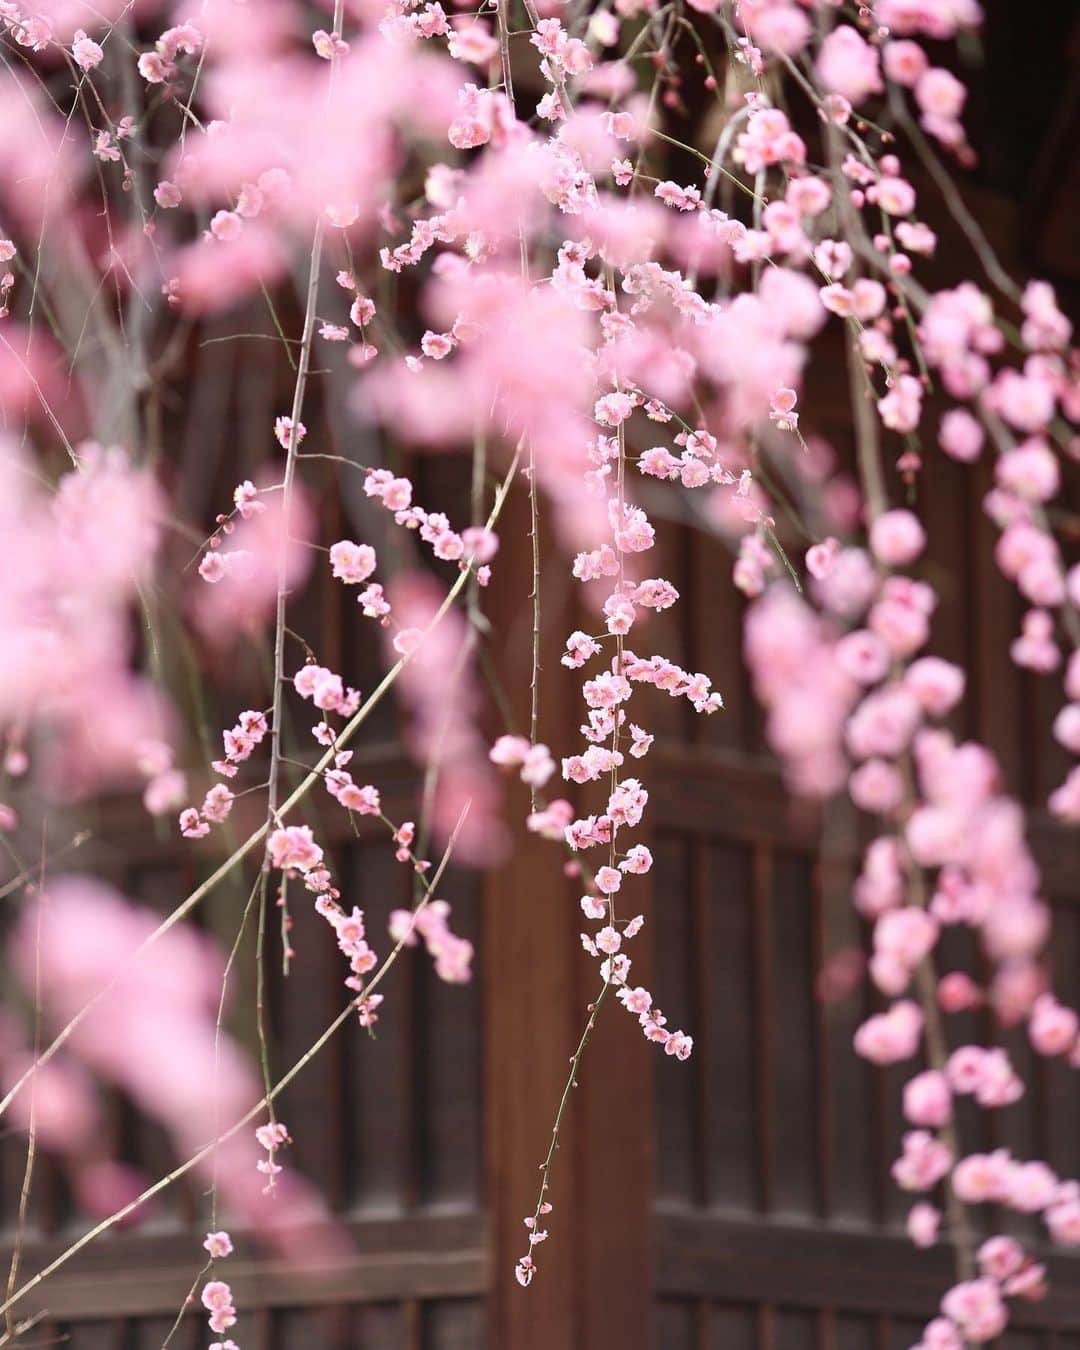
x,y
937,684
436,345
957,992
928,1100
901,407
940,94
850,584
894,195
1044,325
679,1044
884,723
682,198
191,827
981,1176
1030,471
1036,648
217,803
637,1001
1023,400
328,45
152,68
906,935
1030,1187
1053,1028
246,500
897,538
283,432
768,139
863,656
608,880
408,640
940,1335
87,54
221,1319
924,1161
888,1038
1063,1221
1064,801
637,861
1000,1257
214,567
352,563
216,1294
226,225
294,847
923,1222
782,409
849,66
613,409
876,786
218,1245
272,1135
904,62
976,1307
609,940
509,751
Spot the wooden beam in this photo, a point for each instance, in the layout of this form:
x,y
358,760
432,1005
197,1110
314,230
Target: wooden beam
x,y
814,1265
141,1275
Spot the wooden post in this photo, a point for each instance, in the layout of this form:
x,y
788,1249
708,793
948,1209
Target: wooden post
x,y
593,1286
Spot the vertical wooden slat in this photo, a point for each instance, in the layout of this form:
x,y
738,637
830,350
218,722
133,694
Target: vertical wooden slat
x,y
304,1002
448,1037
675,1325
716,647
616,1159
796,1330
302,1328
795,1084
161,885
724,961
847,1083
379,1326
677,959
702,1324
993,680
902,1334
733,1327
453,1324
1017,1127
376,1066
593,1270
532,1024
1062,1114
148,1333
766,1327
700,1021
855,1333
958,950
764,1014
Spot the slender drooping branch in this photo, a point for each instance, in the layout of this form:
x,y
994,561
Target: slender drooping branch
x,y
295,797
259,1107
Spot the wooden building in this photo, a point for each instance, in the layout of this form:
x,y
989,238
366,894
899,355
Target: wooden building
x,y
741,1201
